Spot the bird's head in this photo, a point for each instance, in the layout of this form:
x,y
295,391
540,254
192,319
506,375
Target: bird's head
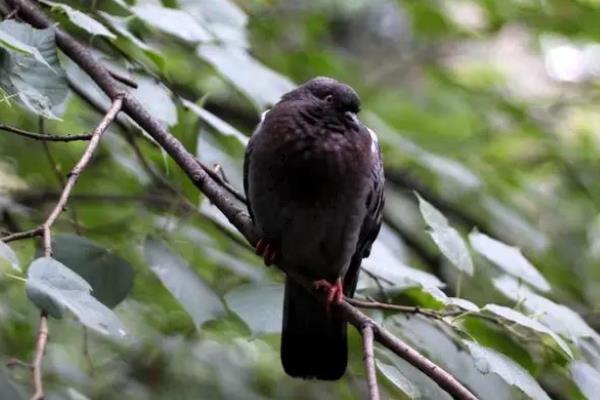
x,y
329,92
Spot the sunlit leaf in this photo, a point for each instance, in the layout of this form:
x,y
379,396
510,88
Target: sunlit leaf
x,y
7,254
448,352
54,288
449,241
223,18
489,361
557,317
383,263
515,317
586,377
195,296
509,258
81,20
260,306
175,22
259,83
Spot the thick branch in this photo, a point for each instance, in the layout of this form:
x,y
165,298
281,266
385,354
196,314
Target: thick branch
x,y
220,197
40,348
45,137
369,357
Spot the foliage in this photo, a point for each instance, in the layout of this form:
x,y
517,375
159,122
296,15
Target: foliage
x,y
486,109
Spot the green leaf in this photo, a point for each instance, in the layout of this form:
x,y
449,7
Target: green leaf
x,y
509,258
13,44
489,361
394,375
110,276
223,18
38,87
217,123
260,306
586,377
557,317
445,348
54,288
449,241
515,317
195,296
157,99
120,26
6,253
444,168
9,390
260,84
383,263
175,22
81,20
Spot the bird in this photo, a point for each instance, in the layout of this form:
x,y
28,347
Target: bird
x,y
314,182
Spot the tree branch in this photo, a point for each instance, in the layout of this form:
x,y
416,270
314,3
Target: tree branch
x,y
76,171
45,137
45,231
369,357
220,197
40,348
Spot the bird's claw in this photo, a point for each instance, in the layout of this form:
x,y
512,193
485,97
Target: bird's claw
x,y
267,250
335,291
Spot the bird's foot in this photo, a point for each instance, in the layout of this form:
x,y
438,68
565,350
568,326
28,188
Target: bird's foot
x,y
335,291
267,250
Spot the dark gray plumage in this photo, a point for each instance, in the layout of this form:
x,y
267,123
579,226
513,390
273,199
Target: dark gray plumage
x,y
313,177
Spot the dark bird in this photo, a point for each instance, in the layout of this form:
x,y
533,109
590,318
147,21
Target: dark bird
x,y
313,176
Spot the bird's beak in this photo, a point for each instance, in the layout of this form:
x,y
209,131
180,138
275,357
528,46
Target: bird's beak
x,y
352,116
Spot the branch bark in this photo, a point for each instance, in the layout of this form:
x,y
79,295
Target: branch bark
x,y
45,137
220,197
76,171
369,357
40,348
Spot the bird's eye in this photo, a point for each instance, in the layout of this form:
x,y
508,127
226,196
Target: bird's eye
x,y
329,98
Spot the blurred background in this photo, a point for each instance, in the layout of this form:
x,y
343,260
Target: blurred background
x,y
488,109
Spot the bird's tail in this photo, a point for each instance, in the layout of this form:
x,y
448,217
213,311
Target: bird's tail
x,y
313,343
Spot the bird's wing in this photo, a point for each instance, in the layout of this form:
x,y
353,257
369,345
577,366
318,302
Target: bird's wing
x,y
371,224
247,156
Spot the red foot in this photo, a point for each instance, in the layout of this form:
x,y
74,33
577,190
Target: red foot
x,y
335,292
267,250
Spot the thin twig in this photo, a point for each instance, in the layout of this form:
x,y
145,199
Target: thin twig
x,y
369,358
40,348
45,137
15,362
219,196
76,171
371,304
22,235
123,79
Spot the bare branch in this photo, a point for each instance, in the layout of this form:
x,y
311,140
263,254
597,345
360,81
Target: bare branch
x,y
45,137
219,196
22,235
40,348
74,174
369,357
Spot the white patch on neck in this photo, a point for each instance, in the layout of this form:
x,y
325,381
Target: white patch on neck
x,y
374,140
262,118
